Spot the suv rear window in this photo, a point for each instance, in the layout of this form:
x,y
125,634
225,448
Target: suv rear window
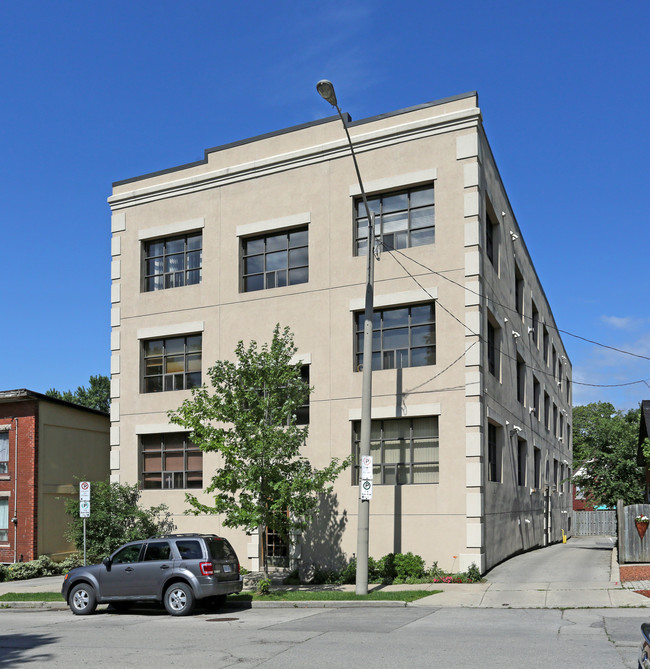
x,y
189,550
220,549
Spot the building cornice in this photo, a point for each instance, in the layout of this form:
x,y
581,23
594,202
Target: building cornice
x,y
363,142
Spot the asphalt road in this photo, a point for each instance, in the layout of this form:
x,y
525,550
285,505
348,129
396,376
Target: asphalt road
x,y
358,637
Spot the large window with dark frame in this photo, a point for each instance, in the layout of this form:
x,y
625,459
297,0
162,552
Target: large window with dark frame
x,y
275,260
404,450
173,261
173,363
169,461
401,337
491,236
522,461
403,219
493,350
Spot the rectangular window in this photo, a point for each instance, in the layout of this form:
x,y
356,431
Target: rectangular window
x,y
401,337
493,352
555,469
519,291
547,411
275,260
536,398
554,363
535,325
546,347
302,415
522,461
537,461
559,374
402,219
494,453
4,452
173,262
521,381
170,461
555,423
173,363
561,426
4,519
492,236
404,450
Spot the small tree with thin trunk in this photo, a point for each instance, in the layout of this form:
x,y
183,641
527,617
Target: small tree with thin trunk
x,y
249,418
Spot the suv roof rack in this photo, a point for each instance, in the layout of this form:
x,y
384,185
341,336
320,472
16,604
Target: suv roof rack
x,y
184,534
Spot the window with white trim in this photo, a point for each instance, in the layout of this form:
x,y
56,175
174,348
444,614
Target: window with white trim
x,y
4,519
404,450
403,219
4,452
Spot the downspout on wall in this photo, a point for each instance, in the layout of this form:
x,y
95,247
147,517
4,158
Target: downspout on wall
x,y
14,520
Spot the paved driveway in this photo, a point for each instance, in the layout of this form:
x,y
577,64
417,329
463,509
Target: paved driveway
x,y
580,560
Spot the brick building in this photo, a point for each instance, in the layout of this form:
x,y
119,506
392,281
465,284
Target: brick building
x,y
44,444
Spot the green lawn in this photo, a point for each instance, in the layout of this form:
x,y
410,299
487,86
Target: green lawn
x,y
31,597
331,596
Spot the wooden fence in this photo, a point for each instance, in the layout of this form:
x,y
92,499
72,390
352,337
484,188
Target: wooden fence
x,y
631,546
594,523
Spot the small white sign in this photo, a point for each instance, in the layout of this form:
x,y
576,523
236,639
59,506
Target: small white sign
x,y
366,467
84,509
365,489
84,491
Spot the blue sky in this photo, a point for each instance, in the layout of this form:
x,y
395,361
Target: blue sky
x,y
96,92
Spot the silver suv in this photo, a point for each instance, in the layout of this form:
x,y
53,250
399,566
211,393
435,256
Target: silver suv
x,y
178,570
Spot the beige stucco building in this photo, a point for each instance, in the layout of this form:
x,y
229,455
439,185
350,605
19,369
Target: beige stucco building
x,y
472,385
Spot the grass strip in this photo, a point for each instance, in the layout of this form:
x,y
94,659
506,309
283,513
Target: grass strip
x,y
332,596
31,597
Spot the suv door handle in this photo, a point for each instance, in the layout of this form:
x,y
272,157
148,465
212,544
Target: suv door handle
x,y
129,569
164,566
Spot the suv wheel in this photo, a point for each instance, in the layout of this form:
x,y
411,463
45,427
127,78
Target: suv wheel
x,y
179,599
82,600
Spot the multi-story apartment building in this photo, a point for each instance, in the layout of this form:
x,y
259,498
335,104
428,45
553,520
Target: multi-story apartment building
x,y
471,400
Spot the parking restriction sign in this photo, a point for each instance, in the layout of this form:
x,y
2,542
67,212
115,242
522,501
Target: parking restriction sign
x,y
84,491
365,489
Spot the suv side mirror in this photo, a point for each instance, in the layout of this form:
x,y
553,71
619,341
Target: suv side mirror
x,y
107,563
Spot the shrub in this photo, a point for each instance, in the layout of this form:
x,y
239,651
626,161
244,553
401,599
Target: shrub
x,y
325,576
263,586
473,574
3,573
408,566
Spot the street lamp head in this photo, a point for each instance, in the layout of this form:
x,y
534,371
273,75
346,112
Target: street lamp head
x,y
325,89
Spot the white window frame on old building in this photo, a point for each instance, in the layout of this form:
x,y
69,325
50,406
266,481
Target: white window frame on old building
x,y
4,452
4,519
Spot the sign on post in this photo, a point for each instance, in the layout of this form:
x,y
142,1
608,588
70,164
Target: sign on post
x,y
84,491
365,484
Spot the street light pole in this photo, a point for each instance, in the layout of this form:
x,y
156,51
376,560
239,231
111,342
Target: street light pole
x,y
326,91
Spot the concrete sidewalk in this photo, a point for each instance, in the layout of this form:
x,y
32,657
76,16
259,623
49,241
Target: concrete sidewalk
x,y
501,594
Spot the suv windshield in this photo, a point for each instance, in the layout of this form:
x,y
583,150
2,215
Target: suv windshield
x,y
221,550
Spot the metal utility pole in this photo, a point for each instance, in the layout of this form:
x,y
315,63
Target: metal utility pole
x,y
326,91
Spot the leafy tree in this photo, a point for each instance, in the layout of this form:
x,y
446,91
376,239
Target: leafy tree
x,y
250,420
96,396
605,444
115,518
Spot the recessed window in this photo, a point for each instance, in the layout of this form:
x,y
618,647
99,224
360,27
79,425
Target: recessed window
x,y
275,260
404,450
536,398
170,461
173,363
4,452
522,461
537,469
402,219
4,519
493,349
401,337
173,262
492,236
521,381
519,291
302,414
535,319
494,453
547,411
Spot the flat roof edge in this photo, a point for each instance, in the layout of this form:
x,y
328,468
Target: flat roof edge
x,y
294,128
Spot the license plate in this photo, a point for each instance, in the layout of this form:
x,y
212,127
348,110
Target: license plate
x,y
226,568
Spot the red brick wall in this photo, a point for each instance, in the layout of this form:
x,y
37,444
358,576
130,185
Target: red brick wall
x,y
25,531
